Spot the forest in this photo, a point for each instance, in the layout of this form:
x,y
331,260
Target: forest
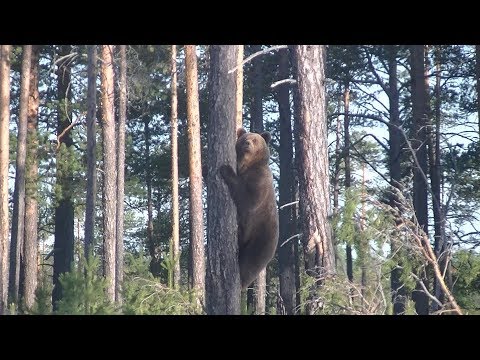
x,y
115,197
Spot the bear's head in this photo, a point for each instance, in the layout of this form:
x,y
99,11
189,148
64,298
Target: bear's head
x,y
252,149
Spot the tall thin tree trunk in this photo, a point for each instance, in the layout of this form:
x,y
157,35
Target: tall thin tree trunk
x,y
296,224
18,218
256,125
311,147
109,170
296,250
256,111
286,259
122,118
260,293
239,86
64,214
336,179
152,248
397,286
348,179
175,245
436,179
420,193
28,285
195,159
477,71
363,245
91,145
5,52
223,274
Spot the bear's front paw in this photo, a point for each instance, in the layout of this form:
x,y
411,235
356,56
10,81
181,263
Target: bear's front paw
x,y
226,171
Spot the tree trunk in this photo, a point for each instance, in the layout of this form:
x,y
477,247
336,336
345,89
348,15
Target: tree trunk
x,y
296,251
28,285
195,159
477,71
5,52
155,261
175,211
286,259
311,147
256,111
260,293
122,118
436,180
64,214
395,139
348,179
18,217
109,170
256,125
420,192
91,154
239,86
363,244
223,274
336,180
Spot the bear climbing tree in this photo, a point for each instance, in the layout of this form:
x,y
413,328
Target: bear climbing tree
x,y
251,188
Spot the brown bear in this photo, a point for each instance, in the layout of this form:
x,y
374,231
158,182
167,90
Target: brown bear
x,y
254,195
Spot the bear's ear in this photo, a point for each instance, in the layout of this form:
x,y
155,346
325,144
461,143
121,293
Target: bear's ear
x,y
266,135
240,132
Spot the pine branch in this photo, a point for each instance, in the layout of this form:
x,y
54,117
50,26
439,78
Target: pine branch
x,y
258,53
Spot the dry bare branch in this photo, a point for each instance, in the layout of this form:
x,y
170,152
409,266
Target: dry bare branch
x,y
258,53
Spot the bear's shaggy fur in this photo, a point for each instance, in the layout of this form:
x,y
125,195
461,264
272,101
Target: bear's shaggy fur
x,y
254,195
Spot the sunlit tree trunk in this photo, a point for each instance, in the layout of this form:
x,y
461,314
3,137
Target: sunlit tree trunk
x,y
109,170
5,52
28,285
175,245
313,174
122,118
195,159
18,217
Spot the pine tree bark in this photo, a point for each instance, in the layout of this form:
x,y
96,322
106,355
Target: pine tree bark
x,y
239,86
256,125
336,180
5,53
296,247
28,277
155,261
18,216
175,212
91,145
477,71
109,170
420,192
256,111
64,215
311,147
195,165
223,275
395,139
122,118
434,157
286,259
348,179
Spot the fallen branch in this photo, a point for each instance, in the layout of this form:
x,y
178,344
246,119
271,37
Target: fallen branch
x,y
284,81
288,204
258,53
290,238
